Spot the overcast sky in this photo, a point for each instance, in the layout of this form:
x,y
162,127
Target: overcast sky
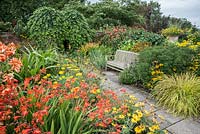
x,y
189,9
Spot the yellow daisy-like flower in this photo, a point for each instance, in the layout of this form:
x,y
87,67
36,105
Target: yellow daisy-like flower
x,y
139,129
61,72
121,116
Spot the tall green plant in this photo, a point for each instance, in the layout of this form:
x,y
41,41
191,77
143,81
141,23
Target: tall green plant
x,y
33,60
63,119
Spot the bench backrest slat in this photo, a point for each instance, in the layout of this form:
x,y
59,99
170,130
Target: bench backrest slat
x,y
125,56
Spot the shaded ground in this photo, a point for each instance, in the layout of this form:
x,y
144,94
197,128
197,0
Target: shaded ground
x,y
174,125
8,37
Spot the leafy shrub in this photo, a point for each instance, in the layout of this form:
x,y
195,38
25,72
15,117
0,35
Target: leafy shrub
x,y
179,93
47,27
114,37
126,77
172,58
119,37
127,45
78,31
172,31
5,26
144,36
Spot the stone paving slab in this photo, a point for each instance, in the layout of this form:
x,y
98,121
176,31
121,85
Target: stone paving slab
x,y
186,126
169,117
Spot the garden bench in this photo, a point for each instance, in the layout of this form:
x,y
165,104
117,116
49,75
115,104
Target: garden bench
x,y
121,60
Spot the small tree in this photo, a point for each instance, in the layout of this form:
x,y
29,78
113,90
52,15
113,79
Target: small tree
x,y
47,27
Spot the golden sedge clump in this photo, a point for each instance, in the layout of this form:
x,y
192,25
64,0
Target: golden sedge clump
x,y
179,93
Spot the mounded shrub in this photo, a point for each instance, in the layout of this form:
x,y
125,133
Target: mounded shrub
x,y
179,93
156,61
47,26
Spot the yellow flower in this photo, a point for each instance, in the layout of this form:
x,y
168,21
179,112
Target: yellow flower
x,y
135,118
139,129
129,114
154,128
79,74
153,72
45,77
61,72
140,114
55,82
48,75
121,116
98,91
58,65
154,79
161,65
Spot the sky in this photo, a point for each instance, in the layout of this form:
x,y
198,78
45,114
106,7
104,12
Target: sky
x,y
189,9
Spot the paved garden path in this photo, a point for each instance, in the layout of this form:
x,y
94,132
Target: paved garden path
x,y
174,125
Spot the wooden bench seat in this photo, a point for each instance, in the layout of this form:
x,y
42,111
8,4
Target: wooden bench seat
x,y
122,59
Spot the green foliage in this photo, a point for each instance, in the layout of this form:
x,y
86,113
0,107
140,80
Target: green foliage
x,y
5,26
124,38
62,119
77,30
98,56
127,45
47,27
34,60
173,58
144,36
20,28
126,77
180,94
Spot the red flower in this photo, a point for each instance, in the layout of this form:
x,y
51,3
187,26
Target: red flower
x,y
16,64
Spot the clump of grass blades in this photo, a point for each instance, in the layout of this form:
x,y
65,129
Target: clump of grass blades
x,y
180,94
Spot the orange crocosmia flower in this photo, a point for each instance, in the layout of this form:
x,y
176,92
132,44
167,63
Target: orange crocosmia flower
x,y
26,82
2,57
15,64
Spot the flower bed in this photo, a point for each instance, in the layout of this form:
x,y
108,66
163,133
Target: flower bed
x,y
69,102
